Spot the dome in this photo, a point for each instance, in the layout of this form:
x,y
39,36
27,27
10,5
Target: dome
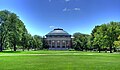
x,y
58,31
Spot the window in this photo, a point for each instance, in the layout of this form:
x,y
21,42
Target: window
x,y
58,44
63,44
53,44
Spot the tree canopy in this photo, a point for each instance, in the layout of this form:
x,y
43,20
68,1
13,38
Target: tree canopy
x,y
13,33
105,35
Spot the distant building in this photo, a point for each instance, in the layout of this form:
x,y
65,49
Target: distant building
x,y
58,39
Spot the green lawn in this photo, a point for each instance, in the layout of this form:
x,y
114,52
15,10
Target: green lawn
x,y
59,60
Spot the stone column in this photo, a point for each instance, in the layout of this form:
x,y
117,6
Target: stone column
x,y
55,44
60,43
51,43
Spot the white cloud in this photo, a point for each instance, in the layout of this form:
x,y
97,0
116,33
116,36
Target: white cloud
x,y
50,0
67,0
76,9
64,0
68,9
65,9
51,26
56,0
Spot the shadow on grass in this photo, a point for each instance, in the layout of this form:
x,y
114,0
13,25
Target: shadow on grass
x,y
11,51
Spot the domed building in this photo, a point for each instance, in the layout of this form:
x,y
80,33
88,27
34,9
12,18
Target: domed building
x,y
58,39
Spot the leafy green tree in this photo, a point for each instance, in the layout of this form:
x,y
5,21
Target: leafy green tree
x,y
24,41
30,41
117,43
80,41
11,30
3,18
37,42
105,35
89,42
45,43
0,35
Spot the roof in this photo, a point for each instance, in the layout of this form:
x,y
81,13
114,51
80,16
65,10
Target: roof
x,y
58,31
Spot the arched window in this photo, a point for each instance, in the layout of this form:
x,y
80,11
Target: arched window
x,y
58,44
53,44
63,44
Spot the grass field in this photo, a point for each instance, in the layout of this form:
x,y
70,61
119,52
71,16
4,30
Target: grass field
x,y
59,60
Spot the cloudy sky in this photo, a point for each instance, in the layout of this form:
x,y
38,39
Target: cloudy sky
x,y
42,16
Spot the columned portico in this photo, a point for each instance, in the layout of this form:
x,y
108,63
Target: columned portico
x,y
58,44
58,39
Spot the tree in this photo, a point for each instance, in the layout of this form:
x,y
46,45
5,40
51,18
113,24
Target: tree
x,y
117,43
37,42
3,18
12,29
24,41
80,41
0,35
89,42
30,41
105,34
45,43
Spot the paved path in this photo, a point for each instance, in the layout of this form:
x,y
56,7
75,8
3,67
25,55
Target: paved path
x,y
12,54
90,54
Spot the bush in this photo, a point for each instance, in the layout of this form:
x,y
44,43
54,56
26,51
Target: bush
x,y
71,49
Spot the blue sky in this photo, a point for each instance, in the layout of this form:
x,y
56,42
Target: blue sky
x,y
42,16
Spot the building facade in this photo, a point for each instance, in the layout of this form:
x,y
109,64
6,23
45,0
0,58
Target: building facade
x,y
58,39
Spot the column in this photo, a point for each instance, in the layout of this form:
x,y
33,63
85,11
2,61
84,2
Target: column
x,y
55,44
51,43
60,43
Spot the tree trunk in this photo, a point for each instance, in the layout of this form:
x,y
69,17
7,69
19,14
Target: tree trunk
x,y
115,49
110,49
81,48
1,47
28,48
105,50
99,49
23,48
14,44
14,47
86,49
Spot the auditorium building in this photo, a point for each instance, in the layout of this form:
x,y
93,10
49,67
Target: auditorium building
x,y
58,39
